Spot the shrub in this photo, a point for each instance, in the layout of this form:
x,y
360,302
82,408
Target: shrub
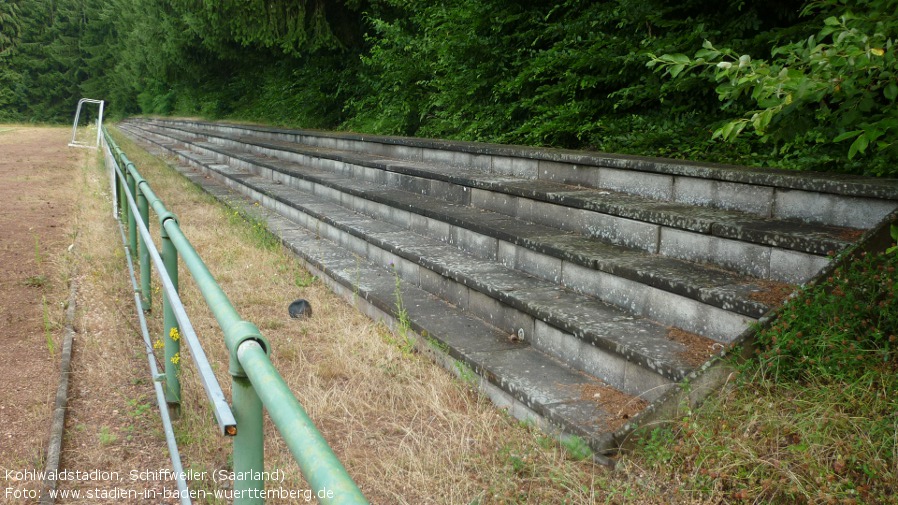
x,y
835,89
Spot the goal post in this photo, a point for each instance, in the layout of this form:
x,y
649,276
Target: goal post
x,y
77,143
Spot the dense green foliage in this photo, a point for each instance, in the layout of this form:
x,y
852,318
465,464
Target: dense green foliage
x,y
566,73
839,84
10,31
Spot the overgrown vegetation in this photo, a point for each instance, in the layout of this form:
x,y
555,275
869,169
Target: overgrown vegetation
x,y
841,330
818,88
815,419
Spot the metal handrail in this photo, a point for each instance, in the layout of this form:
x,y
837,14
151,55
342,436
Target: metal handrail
x,y
318,464
167,428
255,381
220,408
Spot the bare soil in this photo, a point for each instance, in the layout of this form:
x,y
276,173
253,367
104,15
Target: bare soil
x,y
56,223
35,171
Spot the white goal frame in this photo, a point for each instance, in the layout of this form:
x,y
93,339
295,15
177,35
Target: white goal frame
x,y
75,143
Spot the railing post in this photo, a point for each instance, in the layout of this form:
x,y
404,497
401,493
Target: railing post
x,y
145,288
249,446
132,221
247,406
171,335
122,199
324,473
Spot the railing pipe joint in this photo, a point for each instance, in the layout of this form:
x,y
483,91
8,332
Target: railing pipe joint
x,y
167,216
238,333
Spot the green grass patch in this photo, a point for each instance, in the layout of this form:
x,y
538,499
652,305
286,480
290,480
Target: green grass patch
x,y
36,281
48,326
252,225
840,330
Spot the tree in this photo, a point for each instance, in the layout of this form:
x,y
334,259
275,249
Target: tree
x,y
10,31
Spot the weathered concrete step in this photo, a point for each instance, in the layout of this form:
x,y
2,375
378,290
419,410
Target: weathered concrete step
x,y
564,251
829,199
755,247
660,288
504,194
629,352
530,384
552,318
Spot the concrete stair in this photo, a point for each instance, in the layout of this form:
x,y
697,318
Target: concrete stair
x,y
580,288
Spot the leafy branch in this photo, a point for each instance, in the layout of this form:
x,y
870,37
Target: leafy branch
x,y
843,79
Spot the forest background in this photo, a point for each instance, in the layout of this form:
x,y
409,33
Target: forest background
x,y
787,83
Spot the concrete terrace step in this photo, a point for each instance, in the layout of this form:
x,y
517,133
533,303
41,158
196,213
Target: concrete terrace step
x,y
781,250
622,275
513,374
735,225
668,290
594,336
831,199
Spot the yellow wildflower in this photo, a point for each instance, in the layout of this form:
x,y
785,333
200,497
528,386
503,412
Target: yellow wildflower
x,y
173,333
176,358
158,344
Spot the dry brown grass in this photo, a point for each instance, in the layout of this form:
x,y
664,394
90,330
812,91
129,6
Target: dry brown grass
x,y
110,424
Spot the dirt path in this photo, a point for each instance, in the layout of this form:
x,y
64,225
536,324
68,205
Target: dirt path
x,y
35,173
49,195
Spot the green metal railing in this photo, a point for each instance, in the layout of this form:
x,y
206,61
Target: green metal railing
x,y
254,380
